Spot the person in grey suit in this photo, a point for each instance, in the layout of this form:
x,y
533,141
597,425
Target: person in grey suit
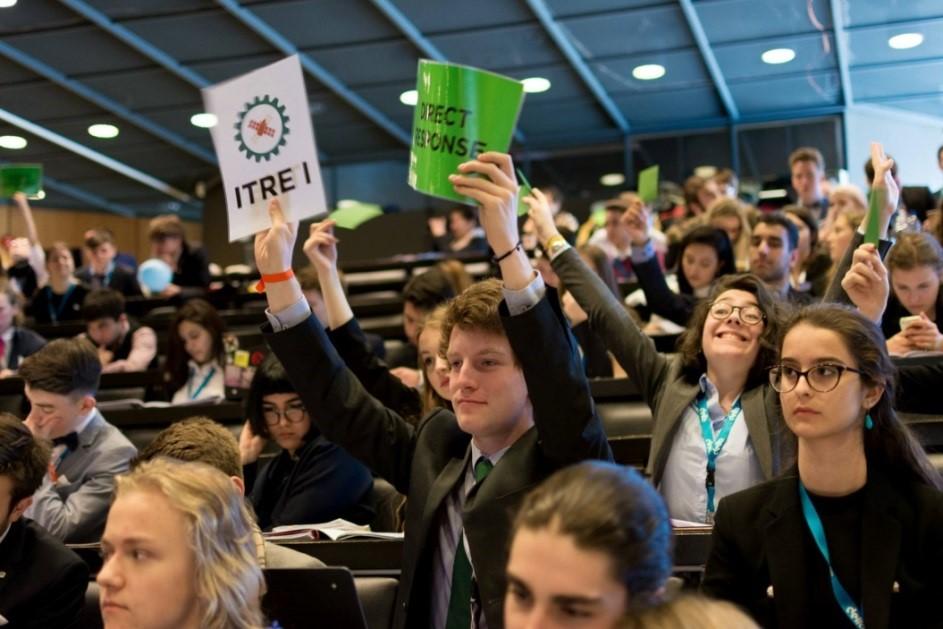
x,y
60,382
202,440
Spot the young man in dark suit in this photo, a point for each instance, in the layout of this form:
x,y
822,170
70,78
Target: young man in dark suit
x,y
103,270
522,410
42,583
61,381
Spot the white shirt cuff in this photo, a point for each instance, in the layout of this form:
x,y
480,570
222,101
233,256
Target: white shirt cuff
x,y
289,317
522,300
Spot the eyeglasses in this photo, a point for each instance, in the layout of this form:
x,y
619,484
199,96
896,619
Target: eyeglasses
x,y
751,315
293,414
822,378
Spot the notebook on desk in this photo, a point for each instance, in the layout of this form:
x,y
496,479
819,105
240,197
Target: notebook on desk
x,y
322,597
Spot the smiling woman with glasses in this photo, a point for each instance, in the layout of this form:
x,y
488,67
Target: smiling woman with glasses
x,y
853,535
310,479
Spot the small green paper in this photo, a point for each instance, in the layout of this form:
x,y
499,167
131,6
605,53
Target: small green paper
x,y
25,178
524,189
648,184
876,203
599,216
353,216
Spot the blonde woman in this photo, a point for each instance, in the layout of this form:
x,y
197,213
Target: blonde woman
x,y
730,215
178,552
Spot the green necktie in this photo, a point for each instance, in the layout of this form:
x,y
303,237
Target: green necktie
x,y
459,616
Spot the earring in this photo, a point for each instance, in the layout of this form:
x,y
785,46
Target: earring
x,y
868,422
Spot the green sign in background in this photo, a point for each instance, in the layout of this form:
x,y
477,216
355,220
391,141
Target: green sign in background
x,y
461,111
25,178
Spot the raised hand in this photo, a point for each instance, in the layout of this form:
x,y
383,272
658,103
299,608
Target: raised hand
x,y
637,222
496,194
321,246
541,215
883,183
273,246
866,282
438,226
250,445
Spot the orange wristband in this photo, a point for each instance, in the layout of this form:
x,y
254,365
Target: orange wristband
x,y
274,278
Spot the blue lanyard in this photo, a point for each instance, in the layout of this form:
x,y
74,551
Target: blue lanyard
x,y
55,314
818,534
713,444
202,386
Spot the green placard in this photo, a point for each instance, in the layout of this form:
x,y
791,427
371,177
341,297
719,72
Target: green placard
x,y
354,215
876,204
648,184
460,112
25,178
524,189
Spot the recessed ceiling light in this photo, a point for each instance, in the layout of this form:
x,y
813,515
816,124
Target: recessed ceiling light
x,y
775,56
40,195
536,84
409,97
13,142
905,41
104,131
648,72
6,4
204,120
612,179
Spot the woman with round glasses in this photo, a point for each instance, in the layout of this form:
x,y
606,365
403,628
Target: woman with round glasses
x,y
853,535
716,421
310,480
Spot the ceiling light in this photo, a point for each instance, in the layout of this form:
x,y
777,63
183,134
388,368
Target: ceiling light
x,y
409,97
648,72
104,131
612,179
905,41
204,120
13,142
6,4
775,56
536,84
40,195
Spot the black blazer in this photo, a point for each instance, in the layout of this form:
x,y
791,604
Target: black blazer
x,y
25,342
659,298
43,583
42,311
123,279
427,462
761,539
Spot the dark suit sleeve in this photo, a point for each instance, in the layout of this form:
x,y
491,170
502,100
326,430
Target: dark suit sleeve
x,y
567,424
340,407
725,576
353,347
660,299
919,388
595,355
63,599
835,292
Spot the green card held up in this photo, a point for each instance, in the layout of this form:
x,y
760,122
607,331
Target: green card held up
x,y
875,203
524,189
354,215
460,112
648,184
25,178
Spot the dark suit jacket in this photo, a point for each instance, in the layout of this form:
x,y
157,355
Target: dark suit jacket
x,y
43,583
25,342
123,279
760,539
193,268
659,298
426,463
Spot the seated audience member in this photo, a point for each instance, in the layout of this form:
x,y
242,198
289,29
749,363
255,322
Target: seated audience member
x,y
807,173
596,358
61,299
728,184
201,440
123,344
844,199
102,270
189,262
310,480
464,474
809,272
27,270
853,536
847,212
195,353
773,252
689,611
699,194
713,391
61,381
47,581
178,551
420,297
565,222
16,342
593,541
915,263
614,238
463,234
730,215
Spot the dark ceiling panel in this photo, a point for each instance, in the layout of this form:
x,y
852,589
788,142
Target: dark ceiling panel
x,y
562,116
122,9
42,101
743,60
143,89
370,64
568,8
79,51
884,11
326,22
629,32
869,45
438,17
683,68
219,70
922,78
35,15
647,108
339,142
500,48
737,20
783,94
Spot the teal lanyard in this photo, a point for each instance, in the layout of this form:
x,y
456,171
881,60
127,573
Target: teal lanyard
x,y
818,534
713,444
55,314
194,395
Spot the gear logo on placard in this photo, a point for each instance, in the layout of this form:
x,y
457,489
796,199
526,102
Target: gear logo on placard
x,y
261,128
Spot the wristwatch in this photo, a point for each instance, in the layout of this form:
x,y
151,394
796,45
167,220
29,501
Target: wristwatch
x,y
555,245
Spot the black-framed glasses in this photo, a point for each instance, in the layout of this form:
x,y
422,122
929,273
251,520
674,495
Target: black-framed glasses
x,y
822,378
293,414
750,314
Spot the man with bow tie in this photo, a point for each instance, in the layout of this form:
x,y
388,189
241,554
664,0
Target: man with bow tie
x,y
61,382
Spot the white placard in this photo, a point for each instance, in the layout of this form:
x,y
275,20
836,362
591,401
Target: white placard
x,y
265,145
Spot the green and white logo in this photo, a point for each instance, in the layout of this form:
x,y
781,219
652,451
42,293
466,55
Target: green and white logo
x,y
261,128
